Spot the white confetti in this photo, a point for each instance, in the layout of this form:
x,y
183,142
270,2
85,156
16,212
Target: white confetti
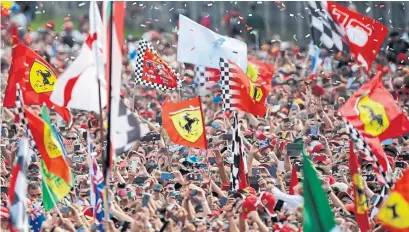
x,y
368,9
307,36
134,3
250,15
259,2
210,4
171,9
81,4
291,15
38,12
295,38
157,42
143,25
141,4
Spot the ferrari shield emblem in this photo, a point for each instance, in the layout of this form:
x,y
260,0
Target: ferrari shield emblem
x,y
252,72
188,123
255,92
373,116
42,79
360,198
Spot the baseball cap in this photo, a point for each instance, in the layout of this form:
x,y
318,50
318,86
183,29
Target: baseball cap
x,y
268,201
316,147
250,204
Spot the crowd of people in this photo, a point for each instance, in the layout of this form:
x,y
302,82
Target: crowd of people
x,y
161,186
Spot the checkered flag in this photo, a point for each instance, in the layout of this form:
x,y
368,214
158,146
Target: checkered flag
x,y
204,80
325,32
379,201
126,129
363,146
226,76
238,175
165,68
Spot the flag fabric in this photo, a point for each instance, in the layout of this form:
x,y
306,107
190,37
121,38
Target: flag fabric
x,y
373,113
200,46
97,191
379,201
339,29
315,55
125,129
318,216
36,215
132,54
394,213
36,78
80,79
239,170
361,206
7,7
239,92
152,71
184,123
259,72
364,35
18,190
48,146
54,188
293,180
205,79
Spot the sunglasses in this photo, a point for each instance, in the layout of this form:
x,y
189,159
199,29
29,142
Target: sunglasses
x,y
35,170
71,138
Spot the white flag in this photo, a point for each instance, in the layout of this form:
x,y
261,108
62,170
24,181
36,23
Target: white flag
x,y
200,46
77,87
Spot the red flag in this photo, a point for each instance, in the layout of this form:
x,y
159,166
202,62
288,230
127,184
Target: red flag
x,y
363,34
263,71
152,71
36,78
184,123
240,92
361,207
374,113
294,179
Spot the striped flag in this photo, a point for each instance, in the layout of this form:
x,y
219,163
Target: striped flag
x,y
205,79
238,175
97,191
18,188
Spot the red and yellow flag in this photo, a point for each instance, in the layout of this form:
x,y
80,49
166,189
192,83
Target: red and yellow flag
x,y
184,123
47,144
361,207
394,213
36,78
260,72
374,113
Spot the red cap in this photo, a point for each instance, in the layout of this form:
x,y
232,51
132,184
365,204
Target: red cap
x,y
268,201
250,204
260,135
402,58
250,190
317,147
87,211
331,179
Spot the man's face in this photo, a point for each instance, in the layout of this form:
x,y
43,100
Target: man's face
x,y
35,193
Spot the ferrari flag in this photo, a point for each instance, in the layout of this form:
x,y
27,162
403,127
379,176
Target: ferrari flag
x,y
239,92
184,123
374,113
36,78
394,213
152,71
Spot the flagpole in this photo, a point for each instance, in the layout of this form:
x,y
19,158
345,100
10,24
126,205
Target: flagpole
x,y
101,122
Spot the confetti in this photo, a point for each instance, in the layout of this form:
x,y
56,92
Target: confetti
x,y
250,15
38,12
259,2
142,25
192,49
171,9
307,36
368,9
210,4
81,4
382,6
141,4
134,3
282,9
291,15
295,38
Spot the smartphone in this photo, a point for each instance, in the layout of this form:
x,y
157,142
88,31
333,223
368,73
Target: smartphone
x,y
157,187
314,130
294,149
298,166
399,164
4,189
369,177
85,135
195,177
223,201
201,166
227,137
133,166
212,160
255,171
77,147
140,180
145,199
272,169
166,176
263,144
174,147
65,209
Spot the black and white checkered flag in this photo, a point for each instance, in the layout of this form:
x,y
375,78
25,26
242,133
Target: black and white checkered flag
x,y
199,82
325,32
226,75
143,45
238,175
126,129
379,201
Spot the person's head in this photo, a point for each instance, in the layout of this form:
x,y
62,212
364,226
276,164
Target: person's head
x,y
34,171
34,190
